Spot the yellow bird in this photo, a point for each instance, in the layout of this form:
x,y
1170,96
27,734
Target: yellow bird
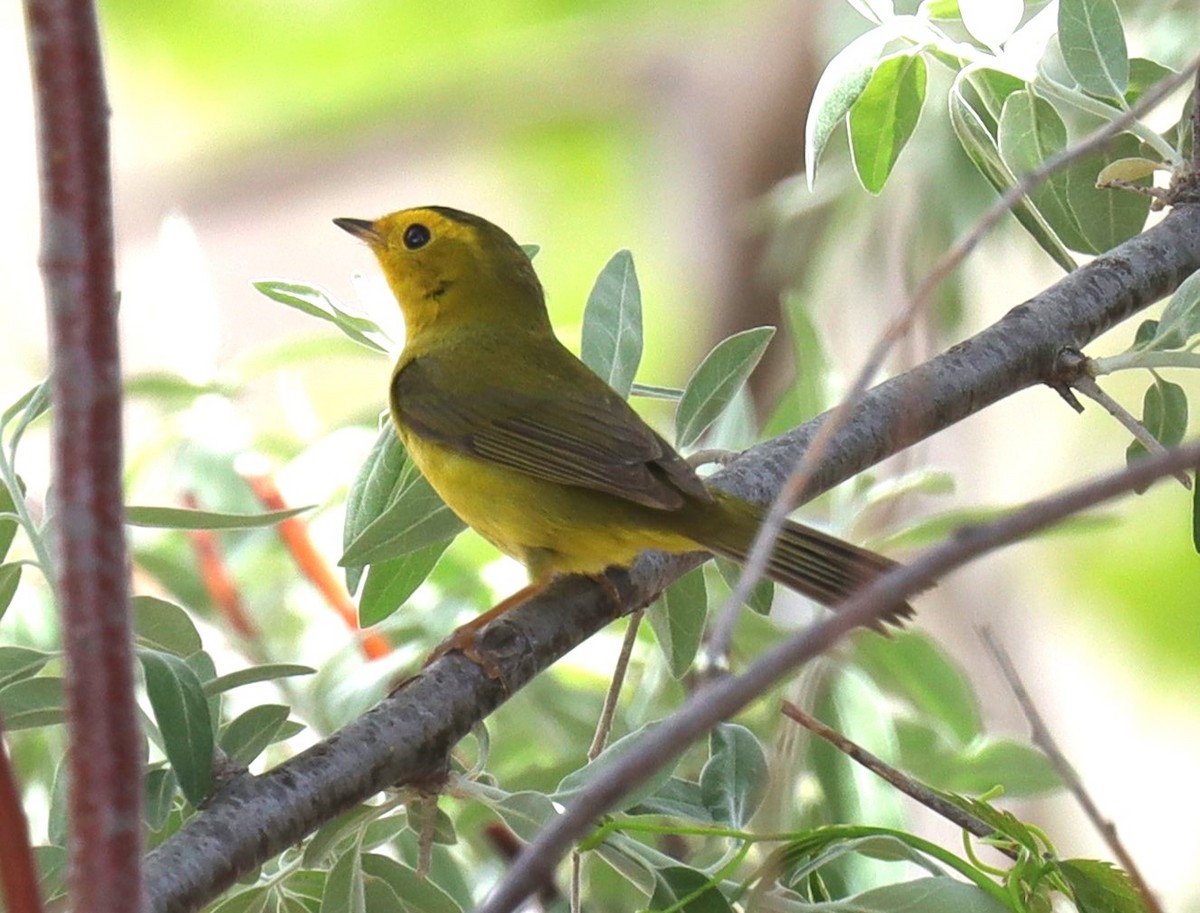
x,y
530,447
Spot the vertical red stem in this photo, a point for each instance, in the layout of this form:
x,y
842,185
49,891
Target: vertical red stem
x,y
92,563
18,877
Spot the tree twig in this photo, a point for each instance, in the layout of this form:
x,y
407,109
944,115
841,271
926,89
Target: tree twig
x,y
793,491
1042,738
18,875
92,588
399,740
722,699
897,778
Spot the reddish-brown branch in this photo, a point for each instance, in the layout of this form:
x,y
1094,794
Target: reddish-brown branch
x,y
294,533
222,589
93,573
18,875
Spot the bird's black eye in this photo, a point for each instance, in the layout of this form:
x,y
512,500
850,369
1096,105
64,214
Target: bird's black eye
x,y
416,236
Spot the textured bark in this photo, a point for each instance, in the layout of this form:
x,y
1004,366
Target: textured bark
x,y
92,582
405,738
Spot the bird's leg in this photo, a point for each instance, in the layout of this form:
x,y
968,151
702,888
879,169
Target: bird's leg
x,y
463,637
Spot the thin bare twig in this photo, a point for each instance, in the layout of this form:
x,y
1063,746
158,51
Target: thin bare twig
x,y
902,781
1040,734
792,492
604,729
1087,385
723,698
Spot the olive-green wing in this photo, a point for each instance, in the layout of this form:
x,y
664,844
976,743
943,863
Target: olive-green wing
x,y
586,437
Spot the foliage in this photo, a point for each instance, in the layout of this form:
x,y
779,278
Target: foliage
x,y
752,813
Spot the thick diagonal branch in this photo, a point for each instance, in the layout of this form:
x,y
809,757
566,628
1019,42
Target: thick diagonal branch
x,y
404,739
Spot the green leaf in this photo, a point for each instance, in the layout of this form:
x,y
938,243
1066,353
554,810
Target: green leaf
x,y
677,617
181,712
1181,317
51,864
1030,132
1093,46
734,779
929,895
391,582
1143,74
30,703
8,527
884,116
1085,218
715,382
992,88
248,735
1020,769
939,9
980,146
10,579
574,783
686,890
678,798
159,791
839,87
1100,887
526,812
316,303
417,895
254,900
1003,822
248,676
914,668
1196,511
762,597
31,406
345,891
392,510
183,518
612,324
330,835
991,22
17,663
162,625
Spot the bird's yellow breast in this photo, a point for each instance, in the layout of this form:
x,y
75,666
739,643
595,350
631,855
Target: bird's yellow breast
x,y
551,528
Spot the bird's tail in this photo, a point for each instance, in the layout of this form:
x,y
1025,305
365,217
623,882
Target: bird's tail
x,y
808,561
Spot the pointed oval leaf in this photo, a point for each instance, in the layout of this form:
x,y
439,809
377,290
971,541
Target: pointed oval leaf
x,y
18,663
265,673
840,85
420,894
392,509
344,889
184,518
162,625
1181,316
678,887
884,116
32,702
980,146
390,583
612,324
677,617
248,735
181,712
715,382
734,779
1092,40
10,579
573,783
317,303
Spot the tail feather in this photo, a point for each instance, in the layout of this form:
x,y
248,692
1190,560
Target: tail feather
x,y
813,563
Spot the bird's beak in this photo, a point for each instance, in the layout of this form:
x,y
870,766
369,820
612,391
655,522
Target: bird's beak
x,y
361,229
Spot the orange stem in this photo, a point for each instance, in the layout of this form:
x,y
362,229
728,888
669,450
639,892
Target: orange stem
x,y
294,533
214,574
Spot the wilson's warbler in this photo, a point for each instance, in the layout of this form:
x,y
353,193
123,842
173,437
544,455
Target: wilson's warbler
x,y
530,447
